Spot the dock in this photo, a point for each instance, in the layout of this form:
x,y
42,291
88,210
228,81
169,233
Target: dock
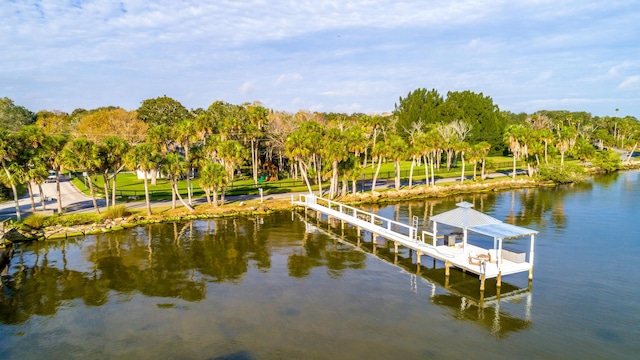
x,y
454,251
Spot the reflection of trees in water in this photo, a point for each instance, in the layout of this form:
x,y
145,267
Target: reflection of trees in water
x,y
319,250
174,260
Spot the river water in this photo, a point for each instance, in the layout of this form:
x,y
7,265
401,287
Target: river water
x,y
284,287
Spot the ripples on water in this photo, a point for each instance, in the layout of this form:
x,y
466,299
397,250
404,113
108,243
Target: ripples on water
x,y
277,287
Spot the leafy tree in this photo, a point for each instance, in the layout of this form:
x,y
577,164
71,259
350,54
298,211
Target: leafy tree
x,y
419,105
14,117
105,122
162,111
479,111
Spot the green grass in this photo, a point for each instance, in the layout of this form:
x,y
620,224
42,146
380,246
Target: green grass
x,y
130,188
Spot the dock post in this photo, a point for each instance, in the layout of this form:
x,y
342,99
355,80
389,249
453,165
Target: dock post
x,y
531,273
395,247
359,231
419,257
447,264
499,280
482,282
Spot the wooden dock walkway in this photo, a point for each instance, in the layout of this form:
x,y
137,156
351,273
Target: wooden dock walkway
x,y
459,254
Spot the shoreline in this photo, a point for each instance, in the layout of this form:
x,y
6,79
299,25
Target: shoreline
x,y
271,205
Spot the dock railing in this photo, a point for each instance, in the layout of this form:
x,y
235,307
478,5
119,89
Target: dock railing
x,y
358,215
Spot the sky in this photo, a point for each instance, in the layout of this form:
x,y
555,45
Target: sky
x,y
327,56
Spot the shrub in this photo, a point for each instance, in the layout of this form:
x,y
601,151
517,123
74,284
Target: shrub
x,y
35,221
569,173
116,211
608,161
72,219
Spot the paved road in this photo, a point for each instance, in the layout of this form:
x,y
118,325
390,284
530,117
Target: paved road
x,y
73,200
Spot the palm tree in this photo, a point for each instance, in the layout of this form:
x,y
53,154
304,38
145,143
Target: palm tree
x,y
115,149
53,145
295,149
9,149
185,135
175,166
513,136
334,151
397,148
143,157
461,148
83,155
213,178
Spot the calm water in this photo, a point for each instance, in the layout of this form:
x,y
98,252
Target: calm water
x,y
278,287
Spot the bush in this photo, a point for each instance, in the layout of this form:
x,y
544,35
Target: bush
x,y
608,161
569,173
116,211
72,219
35,221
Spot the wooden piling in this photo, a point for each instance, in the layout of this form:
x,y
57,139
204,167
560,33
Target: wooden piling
x,y
447,264
499,280
482,282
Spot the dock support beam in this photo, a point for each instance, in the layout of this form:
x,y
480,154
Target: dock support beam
x,y
482,282
418,257
499,280
531,273
447,264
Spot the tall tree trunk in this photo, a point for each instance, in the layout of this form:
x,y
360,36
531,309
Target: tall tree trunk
x,y
462,173
31,199
146,193
413,162
43,201
93,193
396,165
375,176
14,189
58,193
303,172
426,170
105,178
173,194
175,186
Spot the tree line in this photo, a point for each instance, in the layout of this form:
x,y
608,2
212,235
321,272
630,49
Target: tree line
x,y
162,136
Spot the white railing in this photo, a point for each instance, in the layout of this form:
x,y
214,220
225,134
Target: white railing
x,y
361,215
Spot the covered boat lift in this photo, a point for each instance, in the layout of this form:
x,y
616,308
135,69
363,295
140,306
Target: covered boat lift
x,y
487,263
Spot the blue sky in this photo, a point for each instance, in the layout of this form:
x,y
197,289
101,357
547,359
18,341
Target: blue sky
x,y
333,56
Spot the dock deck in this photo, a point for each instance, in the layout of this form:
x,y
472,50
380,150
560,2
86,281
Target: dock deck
x,y
486,263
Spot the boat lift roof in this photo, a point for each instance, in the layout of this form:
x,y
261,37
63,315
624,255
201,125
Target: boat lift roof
x,y
465,217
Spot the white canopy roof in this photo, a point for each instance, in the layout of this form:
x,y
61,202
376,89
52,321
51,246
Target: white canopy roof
x,y
465,217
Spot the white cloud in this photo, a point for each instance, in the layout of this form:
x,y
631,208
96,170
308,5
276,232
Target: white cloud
x,y
287,78
246,88
631,82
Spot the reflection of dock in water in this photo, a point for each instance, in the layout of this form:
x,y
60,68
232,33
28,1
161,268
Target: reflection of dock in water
x,y
500,310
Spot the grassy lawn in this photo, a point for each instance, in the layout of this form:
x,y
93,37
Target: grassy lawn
x,y
129,187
